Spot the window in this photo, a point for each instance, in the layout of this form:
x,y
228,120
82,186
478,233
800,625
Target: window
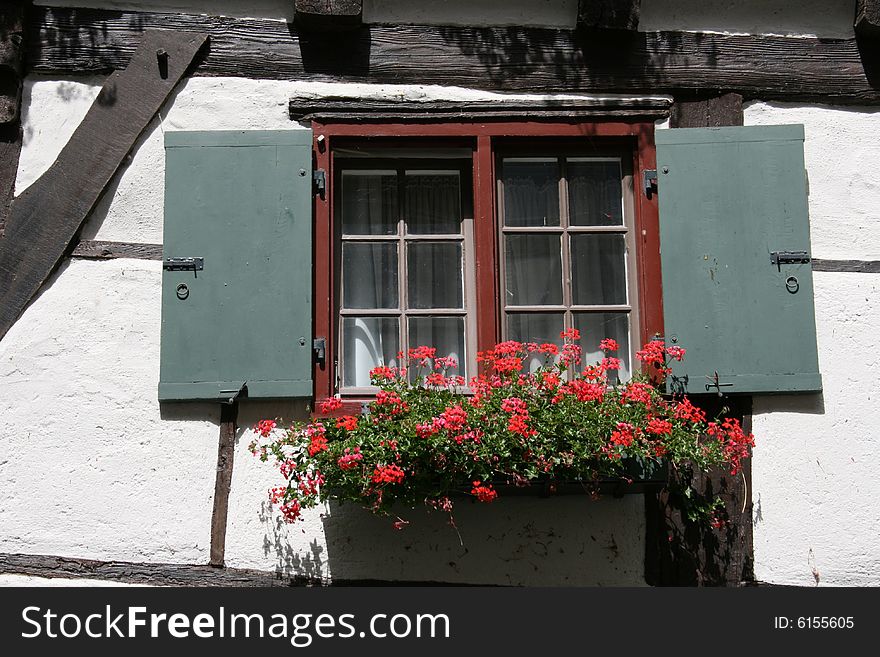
x,y
405,230
566,238
460,236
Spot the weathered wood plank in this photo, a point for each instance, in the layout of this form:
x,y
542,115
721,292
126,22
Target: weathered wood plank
x,y
47,216
12,20
613,14
711,112
155,574
99,250
10,149
868,18
12,33
851,266
373,109
171,574
328,15
500,58
223,481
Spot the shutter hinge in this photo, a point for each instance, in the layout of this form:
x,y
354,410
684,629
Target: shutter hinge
x,y
780,258
183,264
320,182
650,179
319,347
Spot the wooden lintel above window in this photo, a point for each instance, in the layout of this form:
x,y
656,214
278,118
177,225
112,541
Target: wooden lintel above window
x,y
365,109
609,14
328,15
868,18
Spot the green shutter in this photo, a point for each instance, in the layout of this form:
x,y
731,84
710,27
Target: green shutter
x,y
729,198
241,201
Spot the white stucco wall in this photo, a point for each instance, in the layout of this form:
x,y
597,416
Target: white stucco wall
x,y
814,482
130,466
831,19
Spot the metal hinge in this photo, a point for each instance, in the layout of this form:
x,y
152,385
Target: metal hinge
x,y
320,180
319,347
780,258
650,180
183,264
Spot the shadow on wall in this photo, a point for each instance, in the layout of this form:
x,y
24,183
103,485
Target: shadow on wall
x,y
567,540
806,404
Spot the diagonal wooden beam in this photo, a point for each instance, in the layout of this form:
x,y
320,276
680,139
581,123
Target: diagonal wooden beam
x,y
47,216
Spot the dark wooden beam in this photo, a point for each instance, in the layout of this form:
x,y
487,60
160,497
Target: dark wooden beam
x,y
328,15
496,58
868,18
47,216
223,481
155,574
610,14
10,149
712,112
13,15
172,574
98,250
365,109
849,266
686,552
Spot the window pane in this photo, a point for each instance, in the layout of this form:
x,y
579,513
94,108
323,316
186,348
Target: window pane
x,y
369,202
433,202
533,270
366,343
446,334
531,191
535,327
594,193
434,274
369,275
598,269
595,327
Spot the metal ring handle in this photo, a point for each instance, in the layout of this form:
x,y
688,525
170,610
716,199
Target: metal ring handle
x,y
792,284
182,291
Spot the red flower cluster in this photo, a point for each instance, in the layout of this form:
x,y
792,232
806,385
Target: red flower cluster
x,y
347,422
390,402
330,405
381,374
735,442
387,474
624,436
654,353
317,438
659,427
685,410
264,427
350,459
609,344
638,392
484,493
421,438
519,419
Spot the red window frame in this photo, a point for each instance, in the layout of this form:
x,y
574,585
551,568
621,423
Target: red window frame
x,y
637,135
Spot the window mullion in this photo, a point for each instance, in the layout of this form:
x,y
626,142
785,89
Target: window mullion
x,y
401,263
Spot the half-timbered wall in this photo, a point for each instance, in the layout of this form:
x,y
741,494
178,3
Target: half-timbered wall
x,y
92,467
